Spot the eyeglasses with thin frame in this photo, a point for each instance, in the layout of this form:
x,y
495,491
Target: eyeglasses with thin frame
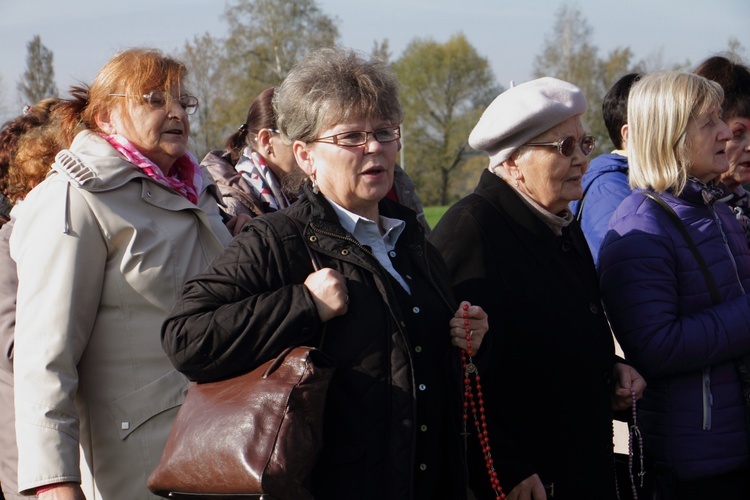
x,y
357,138
567,145
158,99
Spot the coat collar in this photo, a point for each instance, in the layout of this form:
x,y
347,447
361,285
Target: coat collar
x,y
529,228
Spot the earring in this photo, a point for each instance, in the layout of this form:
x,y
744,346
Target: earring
x,y
268,151
314,182
516,183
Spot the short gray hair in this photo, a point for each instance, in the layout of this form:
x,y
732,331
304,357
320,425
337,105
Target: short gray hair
x,y
332,85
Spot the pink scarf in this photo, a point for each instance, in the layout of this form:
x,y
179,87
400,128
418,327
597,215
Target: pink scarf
x,y
187,179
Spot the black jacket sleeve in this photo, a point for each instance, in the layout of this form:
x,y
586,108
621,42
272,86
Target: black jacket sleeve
x,y
245,309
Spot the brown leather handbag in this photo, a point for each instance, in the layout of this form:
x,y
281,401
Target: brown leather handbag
x,y
257,435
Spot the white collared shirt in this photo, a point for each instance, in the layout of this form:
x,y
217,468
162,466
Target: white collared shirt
x,y
367,233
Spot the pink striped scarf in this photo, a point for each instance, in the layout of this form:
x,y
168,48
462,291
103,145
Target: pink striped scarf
x,y
186,180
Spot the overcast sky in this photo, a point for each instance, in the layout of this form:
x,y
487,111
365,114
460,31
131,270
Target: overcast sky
x,y
83,34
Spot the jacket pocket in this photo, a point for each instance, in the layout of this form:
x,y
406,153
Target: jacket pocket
x,y
131,411
708,399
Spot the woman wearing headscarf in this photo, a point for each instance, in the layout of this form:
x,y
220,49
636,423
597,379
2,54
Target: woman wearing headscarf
x,y
513,247
381,304
683,325
103,246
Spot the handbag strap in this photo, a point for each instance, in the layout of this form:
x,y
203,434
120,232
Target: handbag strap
x,y
677,222
313,256
317,266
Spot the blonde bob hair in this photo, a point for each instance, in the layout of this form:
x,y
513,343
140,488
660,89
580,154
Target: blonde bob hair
x,y
660,106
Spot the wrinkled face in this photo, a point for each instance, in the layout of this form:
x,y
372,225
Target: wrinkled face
x,y
358,177
548,177
706,140
738,153
159,132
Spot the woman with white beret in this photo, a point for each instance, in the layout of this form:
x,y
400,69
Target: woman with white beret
x,y
513,247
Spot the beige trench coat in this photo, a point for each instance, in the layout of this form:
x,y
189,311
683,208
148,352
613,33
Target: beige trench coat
x,y
102,254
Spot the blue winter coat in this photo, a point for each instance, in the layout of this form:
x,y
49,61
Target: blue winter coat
x,y
692,413
605,185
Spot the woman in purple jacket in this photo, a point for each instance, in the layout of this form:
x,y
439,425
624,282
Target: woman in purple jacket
x,y
686,343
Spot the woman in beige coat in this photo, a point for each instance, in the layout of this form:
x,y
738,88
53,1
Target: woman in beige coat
x,y
103,247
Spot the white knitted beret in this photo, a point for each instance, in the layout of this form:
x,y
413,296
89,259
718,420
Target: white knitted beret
x,y
523,112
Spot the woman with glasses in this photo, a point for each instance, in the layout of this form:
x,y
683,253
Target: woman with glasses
x,y
514,248
675,277
257,172
381,306
103,246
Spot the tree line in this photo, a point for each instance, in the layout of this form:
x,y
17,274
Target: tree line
x,y
444,86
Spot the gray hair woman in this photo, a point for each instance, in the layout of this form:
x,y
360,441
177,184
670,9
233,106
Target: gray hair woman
x,y
514,248
393,411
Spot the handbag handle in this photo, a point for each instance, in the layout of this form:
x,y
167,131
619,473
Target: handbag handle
x,y
677,222
313,256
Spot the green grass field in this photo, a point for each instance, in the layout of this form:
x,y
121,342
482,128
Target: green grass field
x,y
433,214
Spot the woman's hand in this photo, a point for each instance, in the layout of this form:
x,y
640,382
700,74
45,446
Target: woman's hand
x,y
626,377
530,488
236,223
63,491
328,289
477,324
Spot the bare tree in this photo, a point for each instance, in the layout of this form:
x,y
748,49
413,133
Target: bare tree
x,y
270,36
38,81
204,58
570,55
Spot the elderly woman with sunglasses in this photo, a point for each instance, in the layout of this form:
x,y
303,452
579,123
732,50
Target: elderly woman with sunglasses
x,y
513,247
381,306
103,246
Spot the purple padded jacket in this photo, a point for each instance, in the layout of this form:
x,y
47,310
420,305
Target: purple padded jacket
x,y
692,414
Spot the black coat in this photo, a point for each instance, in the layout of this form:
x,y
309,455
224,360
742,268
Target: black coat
x,y
393,408
548,393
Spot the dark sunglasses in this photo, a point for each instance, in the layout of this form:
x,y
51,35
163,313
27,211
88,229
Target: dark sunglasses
x,y
567,146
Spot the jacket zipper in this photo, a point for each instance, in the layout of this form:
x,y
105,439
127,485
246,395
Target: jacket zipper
x,y
708,399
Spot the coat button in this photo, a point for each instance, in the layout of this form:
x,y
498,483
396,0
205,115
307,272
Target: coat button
x,y
418,348
345,251
392,254
423,428
313,238
423,467
422,387
415,310
593,308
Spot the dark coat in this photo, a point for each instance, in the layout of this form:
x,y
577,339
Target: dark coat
x,y
692,414
548,394
393,408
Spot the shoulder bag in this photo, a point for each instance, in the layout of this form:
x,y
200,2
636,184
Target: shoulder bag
x,y
254,436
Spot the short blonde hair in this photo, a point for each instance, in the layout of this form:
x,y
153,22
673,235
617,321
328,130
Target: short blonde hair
x,y
660,106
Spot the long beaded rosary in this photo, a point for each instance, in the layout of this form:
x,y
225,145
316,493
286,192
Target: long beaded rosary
x,y
634,433
470,406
